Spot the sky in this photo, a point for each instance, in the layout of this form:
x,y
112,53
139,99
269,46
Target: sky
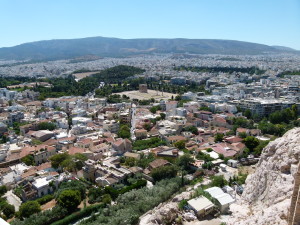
x,y
271,22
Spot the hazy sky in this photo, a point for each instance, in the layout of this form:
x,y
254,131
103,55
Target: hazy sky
x,y
272,22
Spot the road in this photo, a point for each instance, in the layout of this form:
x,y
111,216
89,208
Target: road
x,y
133,121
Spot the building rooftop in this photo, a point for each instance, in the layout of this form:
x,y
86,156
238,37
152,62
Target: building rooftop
x,y
200,203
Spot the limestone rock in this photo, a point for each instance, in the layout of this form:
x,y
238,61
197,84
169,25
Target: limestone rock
x,y
267,195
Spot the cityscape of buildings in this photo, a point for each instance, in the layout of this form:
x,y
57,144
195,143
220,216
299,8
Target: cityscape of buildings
x,y
129,140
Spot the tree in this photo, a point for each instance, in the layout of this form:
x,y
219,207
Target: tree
x,y
8,210
164,172
3,190
295,112
204,156
29,208
180,144
28,160
153,109
46,126
207,165
106,199
124,132
79,160
192,129
69,199
219,137
248,113
147,126
251,142
56,160
185,161
258,149
69,164
73,185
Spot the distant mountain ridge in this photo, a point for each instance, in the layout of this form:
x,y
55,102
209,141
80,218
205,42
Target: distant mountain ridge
x,y
115,47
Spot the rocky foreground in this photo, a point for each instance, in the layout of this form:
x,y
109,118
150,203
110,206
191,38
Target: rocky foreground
x,y
267,195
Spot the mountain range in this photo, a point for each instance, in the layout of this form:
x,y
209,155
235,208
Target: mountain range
x,y
115,47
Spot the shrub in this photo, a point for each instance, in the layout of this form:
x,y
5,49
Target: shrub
x,y
182,203
43,200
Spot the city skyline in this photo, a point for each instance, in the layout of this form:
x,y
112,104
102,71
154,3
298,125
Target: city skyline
x,y
268,22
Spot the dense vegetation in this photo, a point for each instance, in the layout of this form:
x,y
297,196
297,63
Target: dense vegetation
x,y
7,81
46,126
68,162
148,143
131,205
68,85
103,194
293,73
280,121
250,70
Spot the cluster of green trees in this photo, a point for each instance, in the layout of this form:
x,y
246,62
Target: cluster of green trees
x,y
69,199
280,121
46,126
148,143
241,122
254,146
250,70
124,131
219,137
164,172
46,217
284,116
192,129
69,86
131,205
107,193
297,72
8,81
68,162
154,109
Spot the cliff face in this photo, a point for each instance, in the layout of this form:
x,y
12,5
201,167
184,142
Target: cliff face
x,y
267,195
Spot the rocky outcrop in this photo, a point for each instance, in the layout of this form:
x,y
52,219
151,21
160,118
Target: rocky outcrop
x,y
164,213
267,195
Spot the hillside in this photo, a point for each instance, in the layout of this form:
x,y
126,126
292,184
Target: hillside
x,y
114,47
267,195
